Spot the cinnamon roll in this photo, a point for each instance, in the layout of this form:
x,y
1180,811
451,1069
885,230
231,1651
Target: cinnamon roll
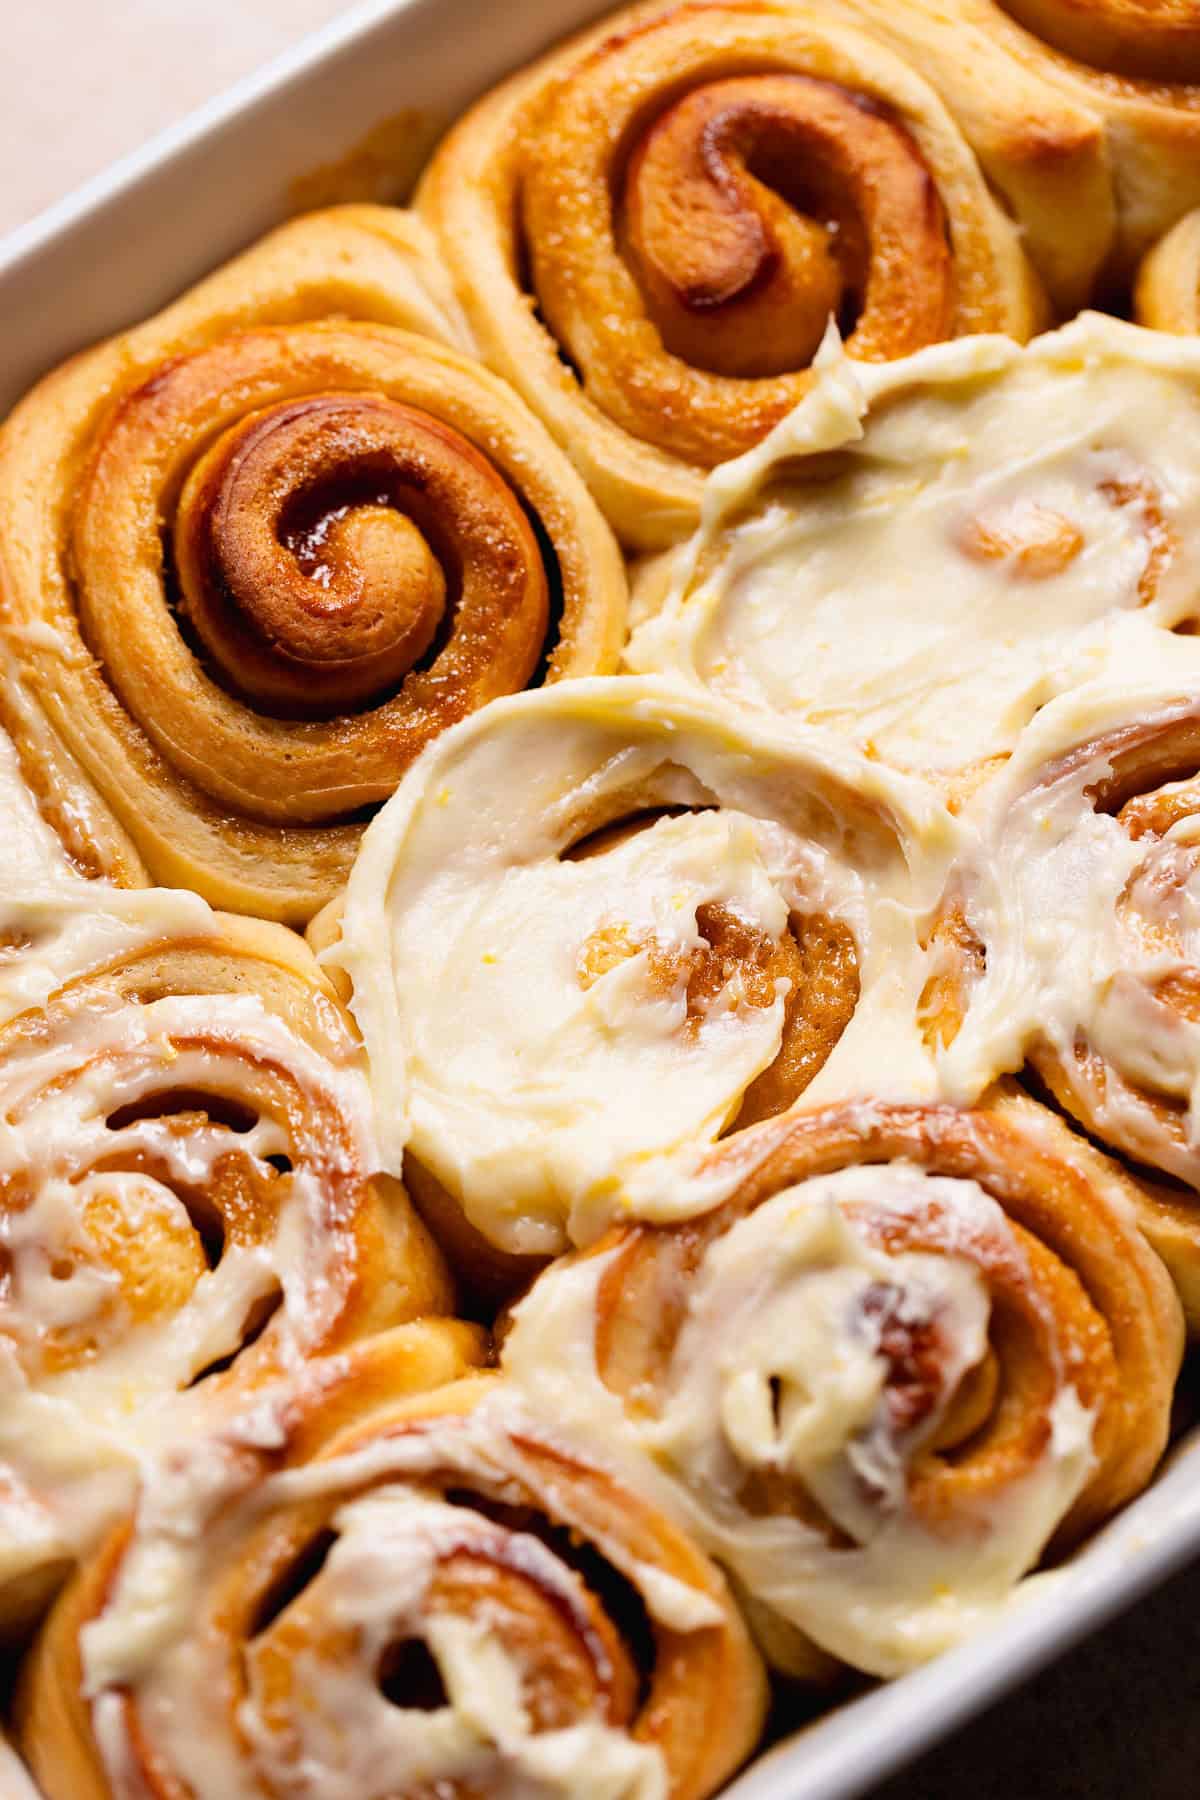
x,y
440,1597
913,1347
1067,939
989,518
256,553
651,228
190,1202
1084,113
603,923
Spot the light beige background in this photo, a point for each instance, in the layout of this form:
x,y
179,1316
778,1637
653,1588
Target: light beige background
x,y
86,80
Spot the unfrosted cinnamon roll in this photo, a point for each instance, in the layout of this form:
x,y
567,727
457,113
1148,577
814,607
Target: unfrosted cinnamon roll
x,y
1167,291
257,552
602,923
440,1597
1084,113
651,228
924,553
1067,939
190,1202
913,1347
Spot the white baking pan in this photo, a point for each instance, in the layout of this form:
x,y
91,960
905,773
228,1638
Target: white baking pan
x,y
134,237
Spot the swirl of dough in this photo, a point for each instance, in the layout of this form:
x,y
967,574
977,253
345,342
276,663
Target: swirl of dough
x,y
269,551
695,191
913,1346
993,518
1084,113
600,923
190,1202
404,1594
304,605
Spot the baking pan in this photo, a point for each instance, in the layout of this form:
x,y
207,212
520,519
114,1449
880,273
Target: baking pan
x,y
136,235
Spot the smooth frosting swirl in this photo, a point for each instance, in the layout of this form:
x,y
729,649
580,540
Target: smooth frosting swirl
x,y
991,516
599,925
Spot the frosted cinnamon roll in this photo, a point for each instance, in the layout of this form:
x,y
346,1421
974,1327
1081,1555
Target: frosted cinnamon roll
x,y
912,1348
257,552
442,1597
1067,939
924,553
190,1202
601,924
1085,114
651,228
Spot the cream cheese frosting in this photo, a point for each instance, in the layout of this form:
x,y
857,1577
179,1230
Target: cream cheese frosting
x,y
379,1574
15,1780
526,1010
927,550
339,1735
62,1472
779,1372
1082,921
110,1315
54,923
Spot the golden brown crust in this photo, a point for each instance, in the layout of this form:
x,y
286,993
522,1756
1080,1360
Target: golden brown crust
x,y
652,186
1086,117
821,963
1167,290
739,282
258,551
